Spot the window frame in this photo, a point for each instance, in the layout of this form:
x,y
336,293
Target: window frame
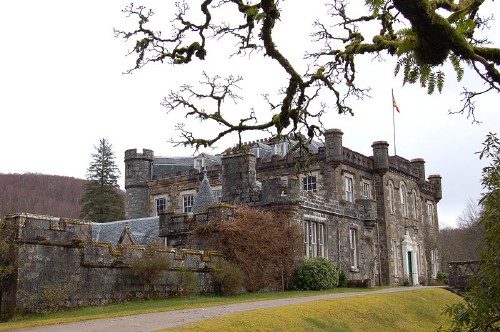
x,y
321,240
348,187
157,201
403,195
307,246
217,194
353,249
187,197
430,212
314,238
395,257
391,197
281,149
415,204
366,189
310,183
434,263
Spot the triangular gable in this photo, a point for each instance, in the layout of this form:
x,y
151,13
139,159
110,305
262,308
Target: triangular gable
x,y
126,237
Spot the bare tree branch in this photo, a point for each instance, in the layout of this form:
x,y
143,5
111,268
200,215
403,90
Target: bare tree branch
x,y
422,34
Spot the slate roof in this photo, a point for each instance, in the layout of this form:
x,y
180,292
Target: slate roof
x,y
144,230
210,159
171,165
266,149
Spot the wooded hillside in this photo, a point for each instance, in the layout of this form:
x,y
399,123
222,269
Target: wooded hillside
x,y
41,194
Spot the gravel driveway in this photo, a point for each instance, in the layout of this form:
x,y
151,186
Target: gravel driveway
x,y
161,320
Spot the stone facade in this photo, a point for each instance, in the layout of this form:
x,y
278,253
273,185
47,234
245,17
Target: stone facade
x,y
61,254
376,216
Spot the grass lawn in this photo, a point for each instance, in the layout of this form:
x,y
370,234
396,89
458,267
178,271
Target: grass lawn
x,y
141,307
407,311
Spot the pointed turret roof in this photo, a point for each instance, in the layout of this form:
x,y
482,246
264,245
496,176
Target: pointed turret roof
x,y
205,196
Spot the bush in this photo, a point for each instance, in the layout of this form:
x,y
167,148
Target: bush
x,y
187,283
152,266
342,278
8,262
53,297
443,276
316,274
150,269
228,280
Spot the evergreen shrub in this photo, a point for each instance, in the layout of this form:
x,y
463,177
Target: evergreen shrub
x,y
316,273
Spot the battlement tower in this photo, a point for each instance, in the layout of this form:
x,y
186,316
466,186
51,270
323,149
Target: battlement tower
x,y
137,174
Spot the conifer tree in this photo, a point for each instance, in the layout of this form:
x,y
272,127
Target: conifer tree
x,y
102,201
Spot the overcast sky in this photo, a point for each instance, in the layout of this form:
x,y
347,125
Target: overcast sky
x,y
62,89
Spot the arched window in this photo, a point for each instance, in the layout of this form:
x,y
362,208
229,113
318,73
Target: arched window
x,y
404,203
430,212
391,197
414,203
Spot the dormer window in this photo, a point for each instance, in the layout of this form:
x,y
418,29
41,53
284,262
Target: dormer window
x,y
199,163
281,149
255,151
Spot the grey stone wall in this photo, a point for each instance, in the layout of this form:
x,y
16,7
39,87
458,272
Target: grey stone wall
x,y
59,254
276,183
171,188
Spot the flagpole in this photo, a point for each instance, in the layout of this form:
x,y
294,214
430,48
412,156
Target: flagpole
x,y
393,122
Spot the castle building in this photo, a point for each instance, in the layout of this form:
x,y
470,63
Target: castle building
x,y
375,216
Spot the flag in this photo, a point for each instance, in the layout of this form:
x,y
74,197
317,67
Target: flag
x,y
394,102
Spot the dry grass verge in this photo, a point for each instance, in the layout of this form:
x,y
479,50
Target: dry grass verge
x,y
407,311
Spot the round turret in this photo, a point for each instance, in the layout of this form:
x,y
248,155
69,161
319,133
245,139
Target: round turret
x,y
435,180
137,174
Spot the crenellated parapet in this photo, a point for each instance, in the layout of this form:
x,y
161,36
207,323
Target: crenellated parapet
x,y
357,159
59,253
176,227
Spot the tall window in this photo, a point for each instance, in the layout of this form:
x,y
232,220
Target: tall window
x,y
314,239
307,245
187,203
404,202
161,204
309,183
321,240
348,188
365,189
395,257
430,212
414,203
434,262
391,197
217,195
353,248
